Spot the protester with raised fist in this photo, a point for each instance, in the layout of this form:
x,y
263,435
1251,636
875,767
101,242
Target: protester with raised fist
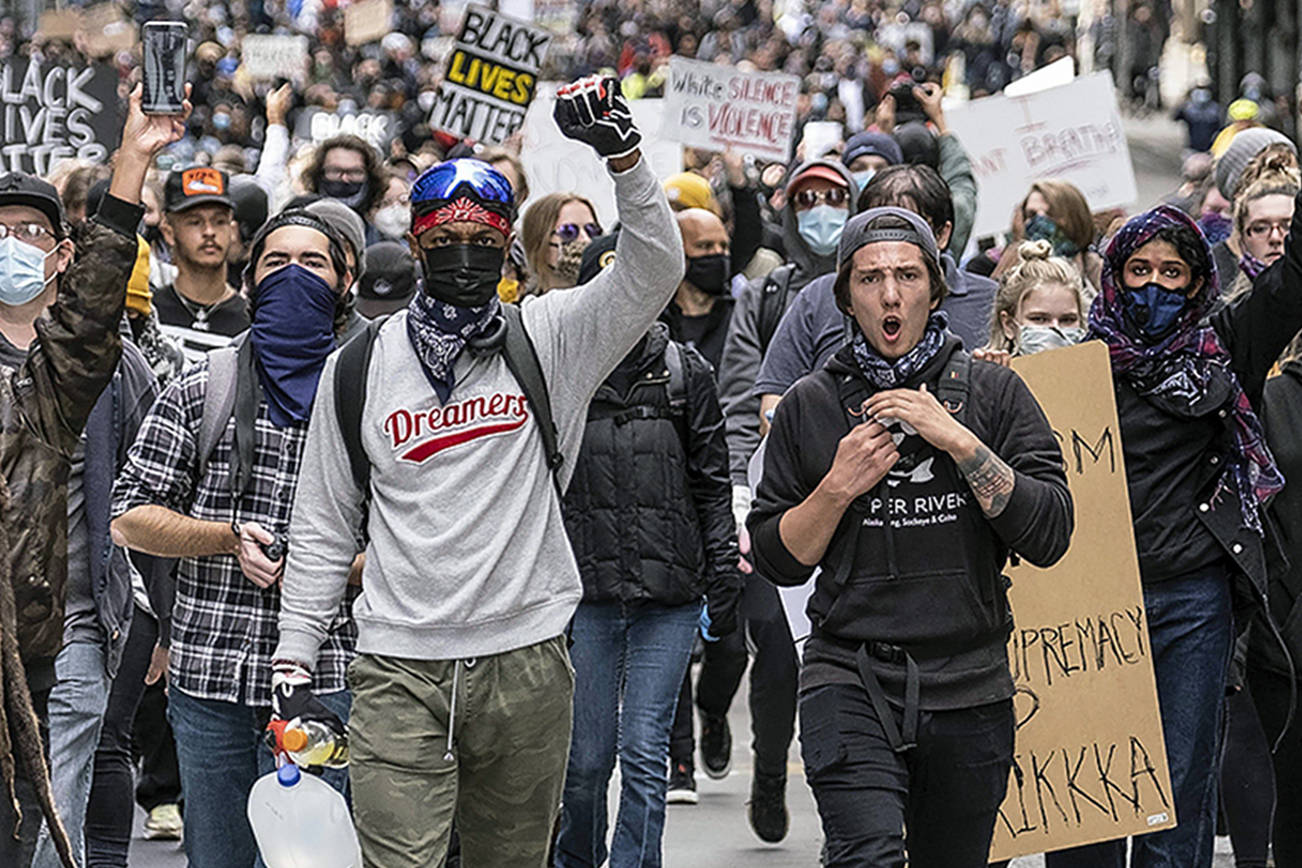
x,y
447,435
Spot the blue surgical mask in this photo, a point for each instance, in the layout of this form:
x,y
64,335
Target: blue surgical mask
x,y
1032,339
1152,310
22,271
862,178
821,228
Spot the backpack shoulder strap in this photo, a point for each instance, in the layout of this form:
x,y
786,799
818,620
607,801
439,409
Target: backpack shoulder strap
x,y
350,396
218,402
956,384
522,359
774,298
677,386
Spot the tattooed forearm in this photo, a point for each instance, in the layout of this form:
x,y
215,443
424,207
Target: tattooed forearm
x,y
990,478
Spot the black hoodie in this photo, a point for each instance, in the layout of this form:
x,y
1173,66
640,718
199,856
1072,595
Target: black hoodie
x,y
929,580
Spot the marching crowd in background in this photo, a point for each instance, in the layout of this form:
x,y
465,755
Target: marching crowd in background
x,y
363,433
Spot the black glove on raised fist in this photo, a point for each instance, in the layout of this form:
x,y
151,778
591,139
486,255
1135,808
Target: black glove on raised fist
x,y
593,110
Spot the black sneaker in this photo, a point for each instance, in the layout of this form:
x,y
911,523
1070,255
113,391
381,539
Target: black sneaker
x,y
716,746
767,808
682,785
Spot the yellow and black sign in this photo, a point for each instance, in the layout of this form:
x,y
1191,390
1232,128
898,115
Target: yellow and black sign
x,y
491,76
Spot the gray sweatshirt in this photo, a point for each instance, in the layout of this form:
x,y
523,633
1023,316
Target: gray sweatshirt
x,y
468,554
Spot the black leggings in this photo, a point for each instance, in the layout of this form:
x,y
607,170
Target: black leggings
x,y
1270,692
109,812
1247,790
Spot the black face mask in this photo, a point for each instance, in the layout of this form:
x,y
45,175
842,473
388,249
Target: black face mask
x,y
351,193
464,275
709,273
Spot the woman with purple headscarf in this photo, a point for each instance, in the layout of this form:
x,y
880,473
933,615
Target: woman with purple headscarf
x,y
1188,382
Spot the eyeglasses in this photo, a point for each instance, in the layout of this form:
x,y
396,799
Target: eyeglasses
x,y
836,197
1263,228
567,232
28,233
440,183
343,174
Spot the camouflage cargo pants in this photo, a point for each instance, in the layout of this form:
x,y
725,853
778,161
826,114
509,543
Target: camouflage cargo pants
x,y
500,773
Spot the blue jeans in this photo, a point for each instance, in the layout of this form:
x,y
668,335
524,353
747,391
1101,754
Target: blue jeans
x,y
221,753
628,663
77,705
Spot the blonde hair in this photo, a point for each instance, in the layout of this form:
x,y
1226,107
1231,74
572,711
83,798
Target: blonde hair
x,y
1036,266
1276,181
536,228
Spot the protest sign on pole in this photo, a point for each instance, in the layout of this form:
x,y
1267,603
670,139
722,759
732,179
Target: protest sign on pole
x,y
716,107
56,112
1090,760
270,57
555,164
368,21
1072,133
491,76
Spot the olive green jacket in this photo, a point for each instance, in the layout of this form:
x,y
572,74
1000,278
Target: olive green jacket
x,y
44,405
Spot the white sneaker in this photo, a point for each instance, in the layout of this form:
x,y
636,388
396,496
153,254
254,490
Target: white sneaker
x,y
164,823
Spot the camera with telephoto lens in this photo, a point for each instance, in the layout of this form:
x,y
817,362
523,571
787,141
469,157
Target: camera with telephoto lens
x,y
276,549
907,107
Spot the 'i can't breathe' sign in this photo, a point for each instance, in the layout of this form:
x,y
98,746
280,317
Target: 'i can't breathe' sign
x,y
719,107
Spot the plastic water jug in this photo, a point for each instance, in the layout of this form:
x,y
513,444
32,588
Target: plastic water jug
x,y
300,821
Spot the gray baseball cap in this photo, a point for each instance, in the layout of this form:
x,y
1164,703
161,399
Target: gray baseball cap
x,y
346,223
857,233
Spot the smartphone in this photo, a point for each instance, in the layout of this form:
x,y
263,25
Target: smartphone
x,y
165,58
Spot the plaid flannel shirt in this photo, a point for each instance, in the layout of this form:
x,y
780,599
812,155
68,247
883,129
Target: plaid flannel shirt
x,y
224,627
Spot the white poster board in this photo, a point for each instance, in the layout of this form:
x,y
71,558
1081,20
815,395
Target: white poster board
x,y
1071,133
715,107
269,57
490,77
555,164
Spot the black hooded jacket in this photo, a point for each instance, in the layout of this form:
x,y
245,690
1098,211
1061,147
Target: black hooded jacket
x,y
648,510
927,568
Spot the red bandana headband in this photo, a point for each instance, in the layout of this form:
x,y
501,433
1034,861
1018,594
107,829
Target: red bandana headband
x,y
461,211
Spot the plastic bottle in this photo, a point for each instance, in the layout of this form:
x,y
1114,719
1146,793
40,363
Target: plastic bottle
x,y
311,743
300,821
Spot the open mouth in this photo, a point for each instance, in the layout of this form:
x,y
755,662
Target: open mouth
x,y
891,327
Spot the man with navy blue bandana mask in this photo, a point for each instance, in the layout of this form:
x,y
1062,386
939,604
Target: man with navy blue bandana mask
x,y
223,509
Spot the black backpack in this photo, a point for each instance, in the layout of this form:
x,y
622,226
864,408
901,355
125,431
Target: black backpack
x,y
775,297
521,358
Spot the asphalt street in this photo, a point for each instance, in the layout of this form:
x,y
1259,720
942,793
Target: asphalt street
x,y
714,833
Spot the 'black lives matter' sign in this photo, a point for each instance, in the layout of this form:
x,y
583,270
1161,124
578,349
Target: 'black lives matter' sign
x,y
491,76
55,112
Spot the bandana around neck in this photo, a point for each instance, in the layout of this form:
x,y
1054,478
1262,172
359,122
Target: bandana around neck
x,y
883,374
439,331
1251,265
1189,371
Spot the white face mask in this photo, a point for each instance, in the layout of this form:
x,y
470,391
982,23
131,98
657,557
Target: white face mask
x,y
393,221
1032,339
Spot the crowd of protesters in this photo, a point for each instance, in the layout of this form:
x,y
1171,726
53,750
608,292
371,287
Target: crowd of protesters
x,y
355,429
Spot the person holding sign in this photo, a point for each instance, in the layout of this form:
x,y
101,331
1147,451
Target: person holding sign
x,y
1199,474
912,508
462,688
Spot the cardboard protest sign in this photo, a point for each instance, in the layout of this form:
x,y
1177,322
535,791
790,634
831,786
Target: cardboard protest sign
x,y
716,107
1072,133
59,24
271,57
368,21
107,31
53,113
377,128
555,164
491,76
1089,749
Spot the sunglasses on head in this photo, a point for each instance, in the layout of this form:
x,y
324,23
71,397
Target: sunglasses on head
x,y
567,232
836,197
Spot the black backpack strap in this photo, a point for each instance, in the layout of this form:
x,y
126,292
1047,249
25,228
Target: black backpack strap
x,y
774,298
350,396
522,359
956,384
677,386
